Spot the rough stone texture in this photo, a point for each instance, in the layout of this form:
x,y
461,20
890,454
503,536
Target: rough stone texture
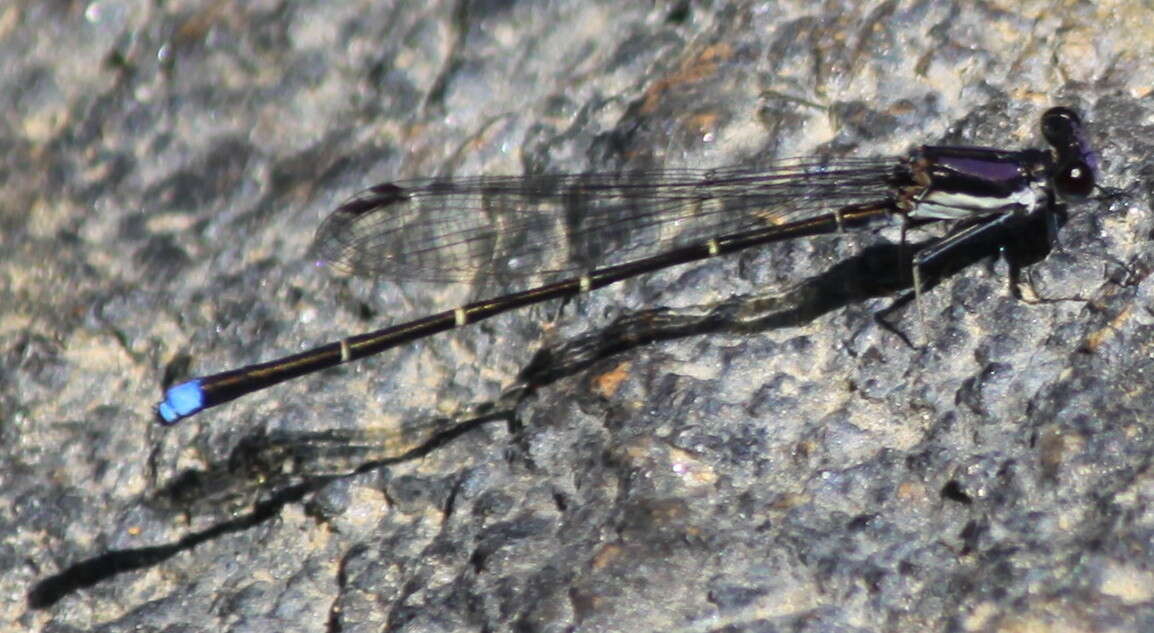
x,y
165,164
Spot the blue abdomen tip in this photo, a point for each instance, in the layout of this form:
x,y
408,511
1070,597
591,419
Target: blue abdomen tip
x,y
180,401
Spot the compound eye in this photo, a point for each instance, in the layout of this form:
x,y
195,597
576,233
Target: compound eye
x,y
1074,180
1059,125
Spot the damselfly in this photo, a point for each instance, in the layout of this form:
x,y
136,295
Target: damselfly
x,y
592,230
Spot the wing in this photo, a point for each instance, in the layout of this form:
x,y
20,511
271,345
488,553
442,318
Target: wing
x,y
550,226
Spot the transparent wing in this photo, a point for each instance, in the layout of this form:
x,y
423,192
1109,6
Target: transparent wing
x,y
553,225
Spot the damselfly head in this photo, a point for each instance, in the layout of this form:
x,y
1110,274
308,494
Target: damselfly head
x,y
1075,162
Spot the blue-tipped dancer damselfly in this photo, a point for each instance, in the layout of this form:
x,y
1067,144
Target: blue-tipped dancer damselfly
x,y
593,230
